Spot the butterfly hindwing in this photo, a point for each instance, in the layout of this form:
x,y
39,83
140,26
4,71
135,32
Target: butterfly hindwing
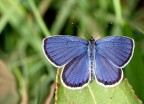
x,y
106,73
61,49
76,74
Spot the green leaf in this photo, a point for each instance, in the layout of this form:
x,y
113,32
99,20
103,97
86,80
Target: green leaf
x,y
134,71
96,94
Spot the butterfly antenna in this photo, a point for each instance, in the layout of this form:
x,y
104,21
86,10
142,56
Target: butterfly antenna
x,y
80,30
104,28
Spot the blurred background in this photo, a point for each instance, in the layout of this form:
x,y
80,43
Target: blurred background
x,y
26,77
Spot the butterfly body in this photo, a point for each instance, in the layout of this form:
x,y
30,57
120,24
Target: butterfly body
x,y
91,53
103,58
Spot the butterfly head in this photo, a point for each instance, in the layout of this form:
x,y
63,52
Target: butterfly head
x,y
92,40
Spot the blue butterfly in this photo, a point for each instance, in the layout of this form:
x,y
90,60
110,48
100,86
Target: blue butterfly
x,y
81,59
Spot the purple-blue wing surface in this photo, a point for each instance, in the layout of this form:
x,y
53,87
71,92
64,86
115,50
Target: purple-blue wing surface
x,y
116,49
76,74
106,73
62,49
112,53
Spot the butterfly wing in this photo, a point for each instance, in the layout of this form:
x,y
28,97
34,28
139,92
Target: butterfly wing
x,y
116,49
106,73
77,74
62,49
112,54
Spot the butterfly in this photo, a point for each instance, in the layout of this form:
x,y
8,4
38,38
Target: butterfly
x,y
81,59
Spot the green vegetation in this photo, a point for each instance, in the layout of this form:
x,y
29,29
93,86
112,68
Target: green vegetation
x,y
96,94
26,75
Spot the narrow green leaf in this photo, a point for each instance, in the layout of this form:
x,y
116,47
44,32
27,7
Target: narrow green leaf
x,y
62,15
96,94
39,19
3,22
118,12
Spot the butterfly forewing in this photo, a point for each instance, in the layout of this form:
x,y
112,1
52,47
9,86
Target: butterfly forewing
x,y
62,49
116,49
